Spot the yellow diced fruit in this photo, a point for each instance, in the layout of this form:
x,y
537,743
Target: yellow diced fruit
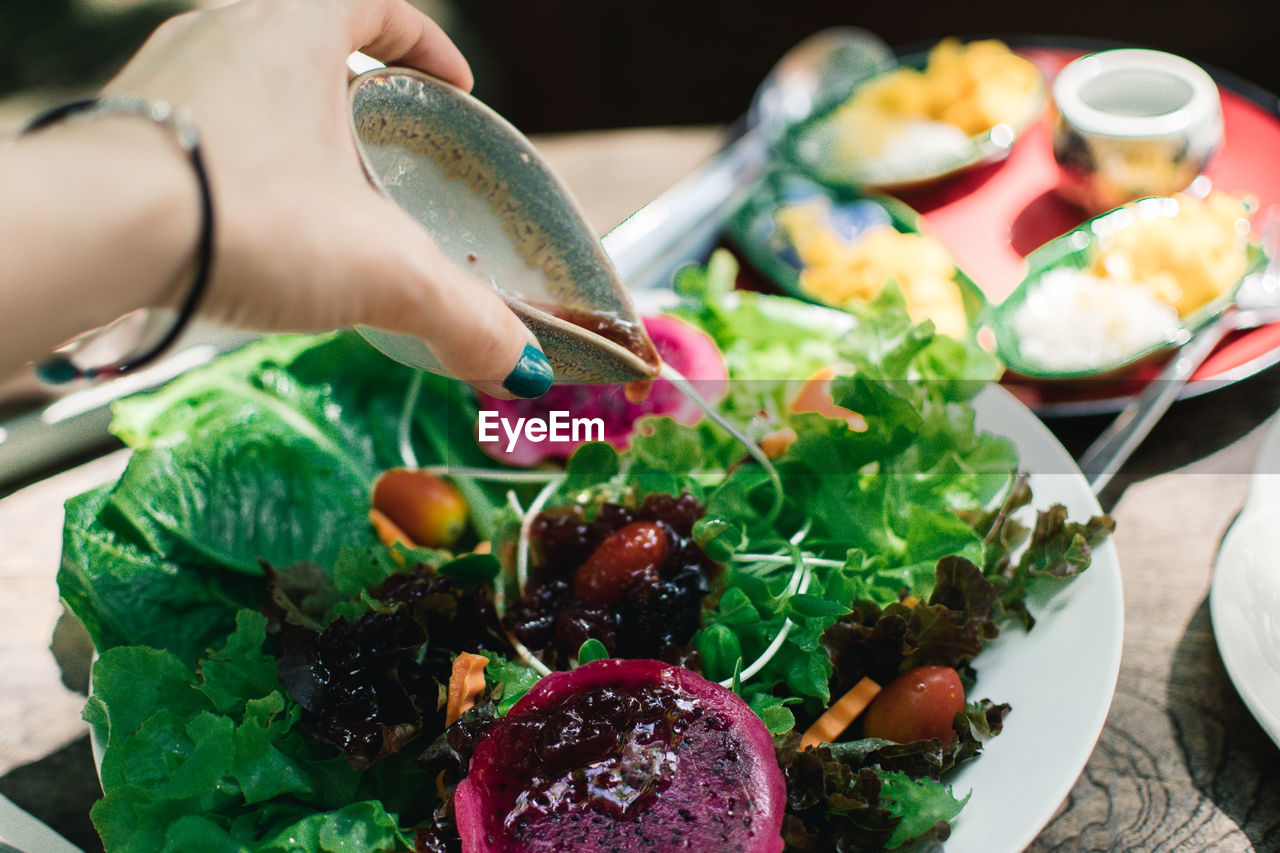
x,y
839,273
1186,260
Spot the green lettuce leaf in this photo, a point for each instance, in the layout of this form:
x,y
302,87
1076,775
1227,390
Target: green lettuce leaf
x,y
919,804
507,680
838,799
868,794
268,453
125,594
1056,549
216,759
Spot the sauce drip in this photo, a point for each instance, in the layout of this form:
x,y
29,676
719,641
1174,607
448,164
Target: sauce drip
x,y
637,392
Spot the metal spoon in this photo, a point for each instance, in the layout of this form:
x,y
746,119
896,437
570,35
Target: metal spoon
x,y
825,67
1257,303
20,832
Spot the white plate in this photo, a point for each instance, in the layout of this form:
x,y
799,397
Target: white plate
x,y
1244,599
1059,678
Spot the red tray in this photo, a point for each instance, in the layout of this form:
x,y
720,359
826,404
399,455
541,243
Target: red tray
x,y
993,216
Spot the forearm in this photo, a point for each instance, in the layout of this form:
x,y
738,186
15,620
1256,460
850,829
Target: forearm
x,y
102,216
97,218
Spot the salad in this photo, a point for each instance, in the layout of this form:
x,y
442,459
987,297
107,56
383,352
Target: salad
x,y
299,653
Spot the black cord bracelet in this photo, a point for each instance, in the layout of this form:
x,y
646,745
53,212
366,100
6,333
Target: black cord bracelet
x,y
60,368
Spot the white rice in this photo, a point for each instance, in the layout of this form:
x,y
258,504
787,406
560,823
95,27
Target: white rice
x,y
875,150
1072,320
918,147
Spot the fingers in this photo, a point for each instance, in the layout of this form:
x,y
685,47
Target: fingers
x,y
398,34
478,339
466,324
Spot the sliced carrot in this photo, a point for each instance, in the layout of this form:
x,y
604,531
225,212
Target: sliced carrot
x,y
815,396
466,685
776,443
840,715
389,533
910,601
485,547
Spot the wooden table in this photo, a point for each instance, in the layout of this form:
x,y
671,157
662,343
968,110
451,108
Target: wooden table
x,y
1181,765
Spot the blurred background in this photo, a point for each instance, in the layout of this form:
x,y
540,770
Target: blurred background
x,y
561,65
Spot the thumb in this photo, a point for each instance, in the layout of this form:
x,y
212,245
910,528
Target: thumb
x,y
465,323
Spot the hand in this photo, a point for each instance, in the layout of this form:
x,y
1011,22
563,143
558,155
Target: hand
x,y
303,241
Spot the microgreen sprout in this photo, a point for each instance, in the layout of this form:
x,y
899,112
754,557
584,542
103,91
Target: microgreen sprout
x,y
783,559
522,561
526,526
677,379
404,430
527,657
798,584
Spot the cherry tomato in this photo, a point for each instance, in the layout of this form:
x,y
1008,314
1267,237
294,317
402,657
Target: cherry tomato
x,y
916,705
630,554
426,507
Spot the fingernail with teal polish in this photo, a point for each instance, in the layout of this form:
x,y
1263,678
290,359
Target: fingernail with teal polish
x,y
532,375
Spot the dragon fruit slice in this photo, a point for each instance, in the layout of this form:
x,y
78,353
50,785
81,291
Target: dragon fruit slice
x,y
685,348
627,756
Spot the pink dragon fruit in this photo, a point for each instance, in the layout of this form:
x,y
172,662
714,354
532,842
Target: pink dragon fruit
x,y
627,756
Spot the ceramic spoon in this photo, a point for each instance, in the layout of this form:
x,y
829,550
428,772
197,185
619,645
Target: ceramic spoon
x,y
496,209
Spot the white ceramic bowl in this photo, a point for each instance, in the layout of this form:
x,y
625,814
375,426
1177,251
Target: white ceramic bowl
x,y
1131,124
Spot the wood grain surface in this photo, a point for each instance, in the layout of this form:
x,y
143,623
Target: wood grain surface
x,y
1181,766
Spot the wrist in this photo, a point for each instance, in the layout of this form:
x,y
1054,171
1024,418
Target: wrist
x,y
156,209
117,217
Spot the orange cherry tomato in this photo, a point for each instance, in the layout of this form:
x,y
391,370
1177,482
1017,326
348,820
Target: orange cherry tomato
x,y
426,507
916,705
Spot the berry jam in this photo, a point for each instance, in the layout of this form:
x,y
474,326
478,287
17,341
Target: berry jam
x,y
611,748
632,578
